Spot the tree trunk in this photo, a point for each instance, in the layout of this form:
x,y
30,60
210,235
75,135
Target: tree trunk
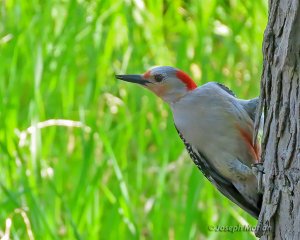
x,y
280,103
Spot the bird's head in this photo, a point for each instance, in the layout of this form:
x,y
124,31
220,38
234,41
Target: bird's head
x,y
168,83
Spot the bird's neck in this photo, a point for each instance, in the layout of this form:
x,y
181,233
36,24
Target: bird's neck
x,y
174,97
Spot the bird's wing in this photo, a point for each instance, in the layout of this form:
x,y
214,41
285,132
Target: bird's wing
x,y
249,105
222,184
226,89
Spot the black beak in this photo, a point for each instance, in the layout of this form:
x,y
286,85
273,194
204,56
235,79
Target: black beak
x,y
134,78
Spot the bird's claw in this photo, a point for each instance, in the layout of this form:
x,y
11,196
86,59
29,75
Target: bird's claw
x,y
258,171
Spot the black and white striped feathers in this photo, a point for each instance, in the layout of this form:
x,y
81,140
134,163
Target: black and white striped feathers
x,y
223,185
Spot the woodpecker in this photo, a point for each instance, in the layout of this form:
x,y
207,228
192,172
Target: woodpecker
x,y
216,129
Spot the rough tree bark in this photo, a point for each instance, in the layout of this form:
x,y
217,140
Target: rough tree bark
x,y
280,103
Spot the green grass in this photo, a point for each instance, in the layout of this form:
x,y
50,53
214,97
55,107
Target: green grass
x,y
119,171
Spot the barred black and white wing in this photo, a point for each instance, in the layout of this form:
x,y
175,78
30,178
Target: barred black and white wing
x,y
222,184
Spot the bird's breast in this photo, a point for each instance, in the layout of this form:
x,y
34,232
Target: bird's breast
x,y
212,131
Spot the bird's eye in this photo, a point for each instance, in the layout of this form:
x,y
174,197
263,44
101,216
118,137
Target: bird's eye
x,y
158,77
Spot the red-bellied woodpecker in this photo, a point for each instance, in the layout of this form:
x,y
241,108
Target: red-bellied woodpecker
x,y
216,128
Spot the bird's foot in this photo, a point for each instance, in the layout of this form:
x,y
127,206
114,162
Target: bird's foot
x,y
258,171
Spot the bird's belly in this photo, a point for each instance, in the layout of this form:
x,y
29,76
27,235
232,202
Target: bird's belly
x,y
221,146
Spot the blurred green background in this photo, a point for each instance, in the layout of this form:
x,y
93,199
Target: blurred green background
x,y
83,156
